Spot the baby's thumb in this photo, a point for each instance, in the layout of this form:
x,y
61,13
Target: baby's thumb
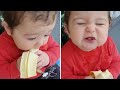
x,y
39,52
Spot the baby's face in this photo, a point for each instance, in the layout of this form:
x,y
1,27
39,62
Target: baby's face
x,y
88,29
30,34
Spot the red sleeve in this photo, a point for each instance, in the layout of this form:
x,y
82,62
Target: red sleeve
x,y
53,51
67,62
67,71
115,64
8,70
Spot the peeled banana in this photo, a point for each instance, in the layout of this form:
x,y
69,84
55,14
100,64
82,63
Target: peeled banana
x,y
28,64
100,75
95,73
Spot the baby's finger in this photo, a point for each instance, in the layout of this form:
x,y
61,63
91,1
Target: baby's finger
x,y
39,64
39,52
39,59
34,50
39,71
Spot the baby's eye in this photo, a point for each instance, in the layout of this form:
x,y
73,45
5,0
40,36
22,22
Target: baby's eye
x,y
46,35
31,38
80,23
99,24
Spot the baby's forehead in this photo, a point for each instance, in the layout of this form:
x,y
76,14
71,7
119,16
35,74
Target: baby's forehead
x,y
31,26
35,29
47,23
88,13
40,15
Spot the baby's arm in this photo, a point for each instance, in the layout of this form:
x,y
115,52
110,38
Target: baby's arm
x,y
114,67
67,71
8,70
53,51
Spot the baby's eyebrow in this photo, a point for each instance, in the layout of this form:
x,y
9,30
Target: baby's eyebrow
x,y
103,19
31,34
77,18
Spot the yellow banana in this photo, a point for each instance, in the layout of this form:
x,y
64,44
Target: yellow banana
x,y
28,64
100,75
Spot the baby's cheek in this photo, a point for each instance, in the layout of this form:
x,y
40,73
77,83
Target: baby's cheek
x,y
26,46
102,41
45,41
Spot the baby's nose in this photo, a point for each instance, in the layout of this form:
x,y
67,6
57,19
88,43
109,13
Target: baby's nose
x,y
37,45
91,28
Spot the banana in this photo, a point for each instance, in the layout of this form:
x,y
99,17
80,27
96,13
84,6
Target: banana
x,y
95,73
28,64
100,75
106,74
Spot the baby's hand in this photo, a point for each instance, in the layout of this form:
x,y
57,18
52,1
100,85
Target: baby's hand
x,y
43,59
18,63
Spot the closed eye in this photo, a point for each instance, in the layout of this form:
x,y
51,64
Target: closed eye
x,y
99,24
80,23
31,38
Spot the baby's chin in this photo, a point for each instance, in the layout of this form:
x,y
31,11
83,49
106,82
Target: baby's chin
x,y
88,48
24,49
91,47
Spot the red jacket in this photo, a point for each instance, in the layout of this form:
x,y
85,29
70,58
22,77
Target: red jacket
x,y
77,64
9,54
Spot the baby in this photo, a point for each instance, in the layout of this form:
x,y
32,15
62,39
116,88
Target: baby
x,y
89,48
26,30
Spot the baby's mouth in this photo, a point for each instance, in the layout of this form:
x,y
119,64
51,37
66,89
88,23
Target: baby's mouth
x,y
90,39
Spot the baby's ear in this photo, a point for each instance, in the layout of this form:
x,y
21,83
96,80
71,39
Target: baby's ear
x,y
66,30
6,27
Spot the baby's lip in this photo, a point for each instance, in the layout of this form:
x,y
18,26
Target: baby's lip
x,y
90,38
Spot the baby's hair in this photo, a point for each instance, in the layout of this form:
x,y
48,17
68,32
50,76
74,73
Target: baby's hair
x,y
14,18
67,15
